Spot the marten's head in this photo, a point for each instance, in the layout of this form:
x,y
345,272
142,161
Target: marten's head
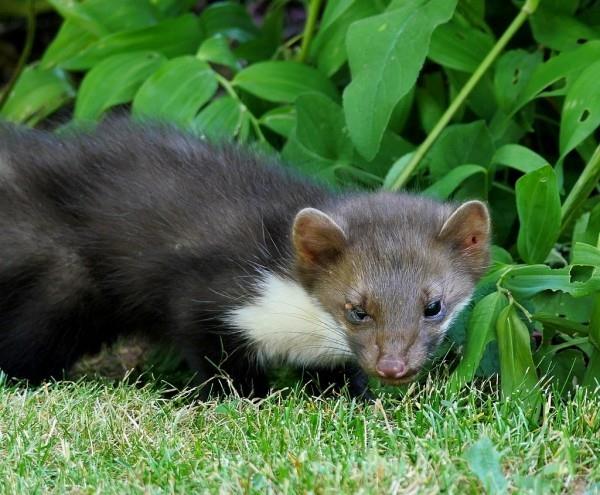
x,y
392,271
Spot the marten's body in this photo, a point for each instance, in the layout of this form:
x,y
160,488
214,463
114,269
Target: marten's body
x,y
236,262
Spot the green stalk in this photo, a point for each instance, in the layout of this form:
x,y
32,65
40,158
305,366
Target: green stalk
x,y
526,11
586,183
228,87
309,28
24,54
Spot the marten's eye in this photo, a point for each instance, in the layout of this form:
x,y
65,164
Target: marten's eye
x,y
356,314
434,310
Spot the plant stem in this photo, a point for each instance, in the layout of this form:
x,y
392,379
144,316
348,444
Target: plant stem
x,y
313,12
586,183
526,10
24,54
228,87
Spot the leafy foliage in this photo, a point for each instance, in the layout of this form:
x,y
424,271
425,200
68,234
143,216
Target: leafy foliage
x,y
348,101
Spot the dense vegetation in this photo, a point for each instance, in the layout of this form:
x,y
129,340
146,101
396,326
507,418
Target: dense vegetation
x,y
453,98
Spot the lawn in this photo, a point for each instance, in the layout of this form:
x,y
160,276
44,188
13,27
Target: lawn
x,y
92,436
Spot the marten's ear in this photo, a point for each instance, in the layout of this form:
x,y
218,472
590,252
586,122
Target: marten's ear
x,y
316,237
468,229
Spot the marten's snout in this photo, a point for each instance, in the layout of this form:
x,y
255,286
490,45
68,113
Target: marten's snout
x,y
391,367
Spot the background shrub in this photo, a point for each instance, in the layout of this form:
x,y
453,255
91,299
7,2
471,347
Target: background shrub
x,y
456,99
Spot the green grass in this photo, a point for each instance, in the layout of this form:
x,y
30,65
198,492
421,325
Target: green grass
x,y
93,437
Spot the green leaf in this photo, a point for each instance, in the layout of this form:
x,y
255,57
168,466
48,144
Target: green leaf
x,y
512,73
459,47
173,37
538,206
101,17
528,280
566,66
581,110
321,128
484,460
70,41
397,169
113,81
584,254
38,93
444,187
176,91
480,331
392,148
386,67
559,30
229,19
459,144
309,162
268,40
565,369
217,51
518,157
283,81
328,48
587,227
224,118
517,370
280,120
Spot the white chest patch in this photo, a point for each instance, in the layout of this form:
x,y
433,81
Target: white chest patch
x,y
285,323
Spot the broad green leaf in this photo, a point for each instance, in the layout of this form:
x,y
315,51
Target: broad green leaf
x,y
386,53
565,369
176,91
528,280
562,324
518,157
224,118
101,17
333,11
584,254
459,144
538,206
283,81
217,51
113,81
392,148
173,37
484,460
459,47
559,30
328,48
309,162
229,19
70,41
480,331
444,187
517,370
581,110
513,71
429,108
269,39
280,120
566,65
38,93
397,169
587,227
320,127
591,378
482,99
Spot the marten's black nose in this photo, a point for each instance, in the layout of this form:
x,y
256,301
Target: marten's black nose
x,y
391,368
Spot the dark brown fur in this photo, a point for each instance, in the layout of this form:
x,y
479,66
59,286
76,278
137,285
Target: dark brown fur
x,y
146,228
